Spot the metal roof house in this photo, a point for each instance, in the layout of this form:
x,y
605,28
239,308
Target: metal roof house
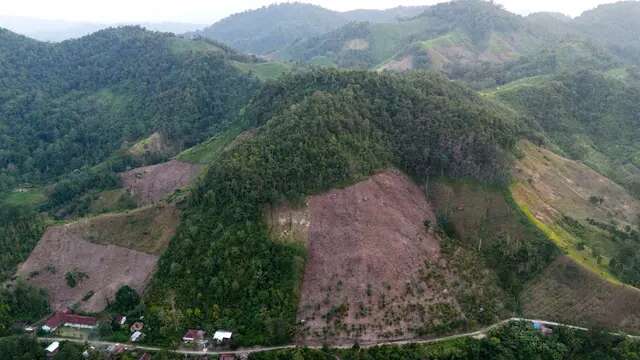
x,y
59,319
222,335
53,347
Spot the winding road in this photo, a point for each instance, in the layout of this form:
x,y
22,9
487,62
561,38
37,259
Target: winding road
x,y
477,333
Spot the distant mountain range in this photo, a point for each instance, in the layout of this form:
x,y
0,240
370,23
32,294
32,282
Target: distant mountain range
x,y
59,30
271,28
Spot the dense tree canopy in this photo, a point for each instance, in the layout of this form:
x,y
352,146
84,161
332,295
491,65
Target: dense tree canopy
x,y
71,105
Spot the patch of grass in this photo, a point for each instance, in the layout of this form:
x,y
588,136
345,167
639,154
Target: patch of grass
x,y
208,151
264,71
147,229
517,85
179,46
31,197
447,40
567,242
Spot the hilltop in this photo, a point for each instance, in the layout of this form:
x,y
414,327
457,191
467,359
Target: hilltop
x,y
269,29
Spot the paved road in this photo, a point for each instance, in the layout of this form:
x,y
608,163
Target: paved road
x,y
480,332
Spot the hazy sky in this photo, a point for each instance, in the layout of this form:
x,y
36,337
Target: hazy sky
x,y
208,11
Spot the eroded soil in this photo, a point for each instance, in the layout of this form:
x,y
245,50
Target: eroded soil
x,y
150,184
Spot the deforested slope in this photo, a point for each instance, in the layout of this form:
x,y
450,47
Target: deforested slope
x,y
375,272
315,131
103,270
580,209
568,292
150,184
103,253
588,117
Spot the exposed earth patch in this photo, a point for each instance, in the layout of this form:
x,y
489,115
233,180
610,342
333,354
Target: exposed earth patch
x,y
102,253
150,184
101,270
375,268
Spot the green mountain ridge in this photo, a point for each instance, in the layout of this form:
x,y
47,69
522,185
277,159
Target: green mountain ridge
x,y
73,104
270,29
532,183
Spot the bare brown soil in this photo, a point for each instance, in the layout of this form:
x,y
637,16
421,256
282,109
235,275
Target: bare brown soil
x,y
567,292
373,270
108,267
289,224
150,184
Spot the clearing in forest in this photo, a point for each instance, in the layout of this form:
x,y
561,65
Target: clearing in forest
x,y
100,255
375,268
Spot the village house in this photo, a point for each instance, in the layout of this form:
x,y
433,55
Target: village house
x,y
195,336
227,357
222,336
65,318
136,336
52,349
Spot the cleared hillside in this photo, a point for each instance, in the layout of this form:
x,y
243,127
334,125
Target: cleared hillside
x,y
375,272
588,116
315,131
574,206
568,292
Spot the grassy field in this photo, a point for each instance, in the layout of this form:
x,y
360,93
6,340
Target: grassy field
x,y
179,46
146,229
556,194
264,71
206,152
30,197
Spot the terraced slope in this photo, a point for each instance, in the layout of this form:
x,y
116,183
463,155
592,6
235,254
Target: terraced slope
x,y
568,292
574,206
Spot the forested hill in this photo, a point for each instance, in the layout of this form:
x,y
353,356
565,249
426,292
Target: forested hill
x,y
466,36
71,105
272,28
315,131
615,26
464,31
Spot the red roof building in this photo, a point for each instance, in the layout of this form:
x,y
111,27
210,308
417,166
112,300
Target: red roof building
x,y
194,335
145,356
67,319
